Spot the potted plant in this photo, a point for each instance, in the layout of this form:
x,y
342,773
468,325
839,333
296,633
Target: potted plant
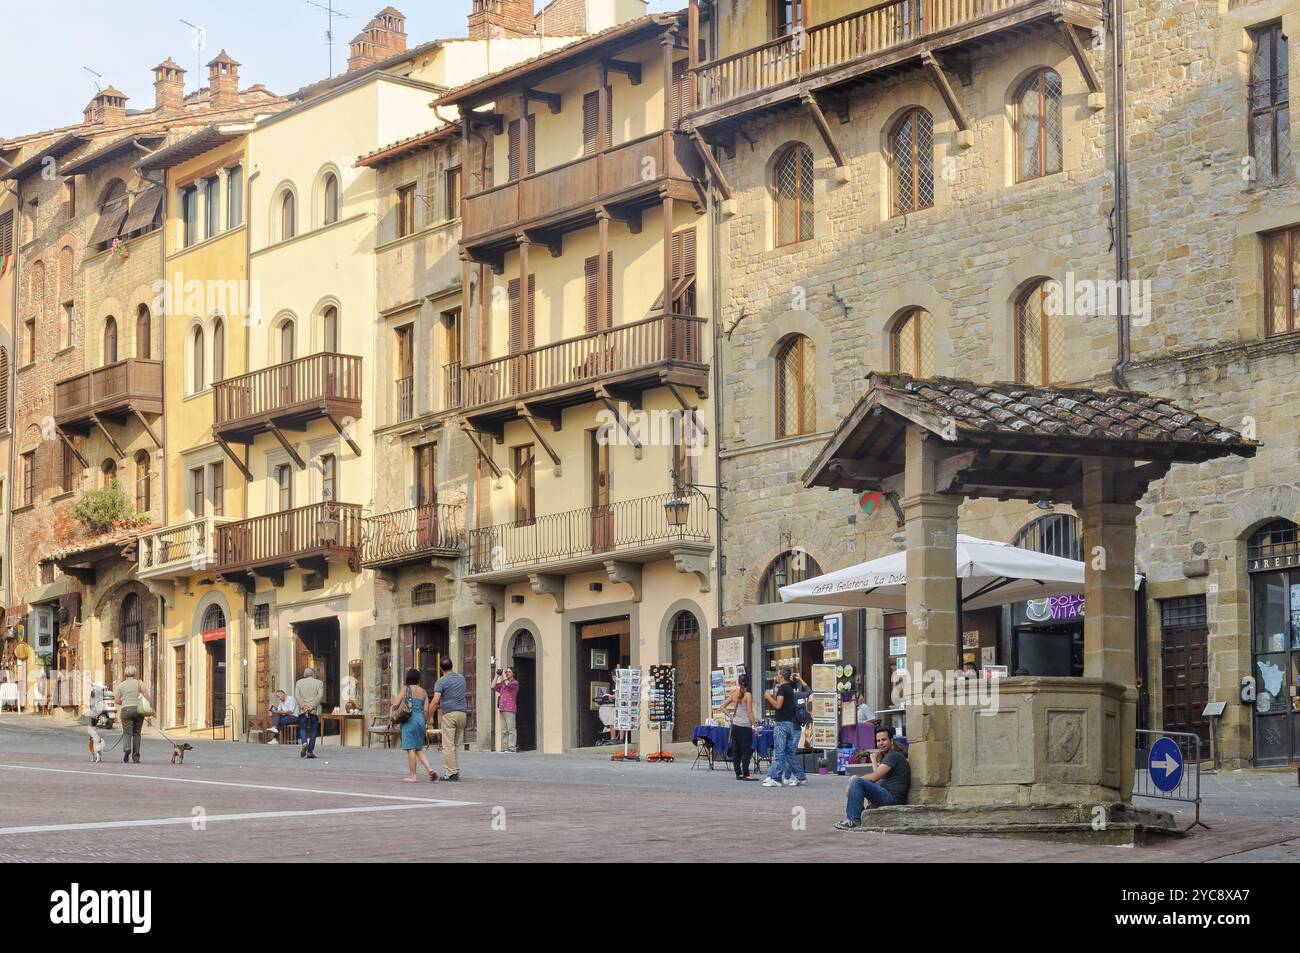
x,y
821,764
859,763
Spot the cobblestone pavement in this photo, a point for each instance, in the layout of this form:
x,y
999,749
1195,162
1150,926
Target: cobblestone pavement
x,y
234,801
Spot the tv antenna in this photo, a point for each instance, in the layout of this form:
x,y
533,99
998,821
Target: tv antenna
x,y
198,40
98,77
330,14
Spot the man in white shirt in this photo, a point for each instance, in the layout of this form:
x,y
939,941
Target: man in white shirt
x,y
284,711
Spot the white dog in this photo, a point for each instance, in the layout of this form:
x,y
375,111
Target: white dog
x,y
96,745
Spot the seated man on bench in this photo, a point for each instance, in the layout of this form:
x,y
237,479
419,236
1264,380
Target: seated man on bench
x,y
284,711
884,786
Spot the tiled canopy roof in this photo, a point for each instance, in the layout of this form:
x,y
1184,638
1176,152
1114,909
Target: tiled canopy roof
x,y
1060,411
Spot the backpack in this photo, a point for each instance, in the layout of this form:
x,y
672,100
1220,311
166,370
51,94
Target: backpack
x,y
801,713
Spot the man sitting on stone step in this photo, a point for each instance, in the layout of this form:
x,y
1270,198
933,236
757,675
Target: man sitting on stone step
x,y
885,785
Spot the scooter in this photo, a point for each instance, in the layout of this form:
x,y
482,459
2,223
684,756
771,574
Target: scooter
x,y
103,706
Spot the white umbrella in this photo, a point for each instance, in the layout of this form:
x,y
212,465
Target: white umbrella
x,y
989,573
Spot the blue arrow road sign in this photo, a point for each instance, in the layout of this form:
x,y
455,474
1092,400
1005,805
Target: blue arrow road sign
x,y
1165,764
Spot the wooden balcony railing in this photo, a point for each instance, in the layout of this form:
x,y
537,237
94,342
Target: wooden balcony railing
x,y
835,43
591,531
180,550
412,533
626,347
277,539
321,380
640,163
451,386
112,387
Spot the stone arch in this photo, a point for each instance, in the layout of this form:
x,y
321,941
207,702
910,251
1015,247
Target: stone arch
x,y
666,625
317,330
821,222
506,657
774,334
210,599
754,573
1031,265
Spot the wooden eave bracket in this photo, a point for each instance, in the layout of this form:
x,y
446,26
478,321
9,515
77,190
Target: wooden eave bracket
x,y
940,79
696,420
240,465
715,171
71,446
495,120
603,393
828,135
289,448
531,421
121,454
1080,55
629,69
551,100
473,436
147,428
344,433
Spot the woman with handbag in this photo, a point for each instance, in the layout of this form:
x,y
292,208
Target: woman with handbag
x,y
132,708
408,711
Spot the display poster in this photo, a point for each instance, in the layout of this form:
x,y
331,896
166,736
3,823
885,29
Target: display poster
x,y
823,678
717,695
731,652
627,699
898,645
988,655
825,737
823,707
970,640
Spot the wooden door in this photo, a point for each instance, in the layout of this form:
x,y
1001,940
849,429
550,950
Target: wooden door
x,y
686,686
217,682
602,513
426,496
469,669
1185,668
262,674
178,686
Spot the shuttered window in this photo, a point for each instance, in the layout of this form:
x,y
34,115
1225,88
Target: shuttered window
x,y
590,121
513,146
521,318
7,233
681,92
4,388
591,275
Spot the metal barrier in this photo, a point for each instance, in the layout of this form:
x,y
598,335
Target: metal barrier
x,y
1188,788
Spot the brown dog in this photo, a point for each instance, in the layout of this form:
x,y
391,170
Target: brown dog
x,y
178,752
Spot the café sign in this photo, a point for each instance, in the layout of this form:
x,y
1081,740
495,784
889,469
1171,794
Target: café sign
x,y
1286,561
1053,609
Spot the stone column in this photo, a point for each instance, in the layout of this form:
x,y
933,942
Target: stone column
x,y
930,528
1109,517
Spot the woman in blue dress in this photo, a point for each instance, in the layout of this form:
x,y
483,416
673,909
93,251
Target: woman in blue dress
x,y
413,727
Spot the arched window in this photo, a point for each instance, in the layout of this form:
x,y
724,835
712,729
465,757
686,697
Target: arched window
x,y
108,472
110,340
793,565
330,330
425,594
911,344
1040,337
214,617
1040,136
286,340
911,161
331,196
288,216
37,289
792,187
796,400
1272,540
131,635
218,350
143,481
1055,535
143,333
198,379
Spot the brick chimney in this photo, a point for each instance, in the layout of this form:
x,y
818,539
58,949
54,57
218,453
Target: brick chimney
x,y
223,82
494,18
384,36
168,85
109,105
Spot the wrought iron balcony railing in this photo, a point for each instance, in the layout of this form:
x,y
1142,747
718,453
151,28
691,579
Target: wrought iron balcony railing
x,y
411,534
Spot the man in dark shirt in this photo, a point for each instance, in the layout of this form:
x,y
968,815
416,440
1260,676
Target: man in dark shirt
x,y
886,785
785,762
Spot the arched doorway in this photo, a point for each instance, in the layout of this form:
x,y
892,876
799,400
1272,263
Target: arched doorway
x,y
685,636
130,636
213,628
1273,563
523,659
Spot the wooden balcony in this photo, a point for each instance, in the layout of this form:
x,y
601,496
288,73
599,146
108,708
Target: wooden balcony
x,y
412,535
624,179
308,537
625,531
180,551
287,396
883,38
115,391
664,350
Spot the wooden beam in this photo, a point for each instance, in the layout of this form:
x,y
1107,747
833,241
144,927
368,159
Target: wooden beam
x,y
941,83
861,471
630,216
629,69
1080,55
494,120
1010,480
603,393
823,127
147,428
715,171
121,454
696,421
344,434
240,465
1132,485
551,100
528,418
72,446
482,451
288,447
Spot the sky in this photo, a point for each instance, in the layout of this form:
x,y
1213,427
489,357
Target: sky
x,y
279,43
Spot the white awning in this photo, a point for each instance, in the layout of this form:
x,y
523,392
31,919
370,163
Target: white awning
x,y
990,573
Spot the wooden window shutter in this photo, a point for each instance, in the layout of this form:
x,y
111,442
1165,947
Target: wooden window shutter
x,y
4,388
532,143
515,329
6,233
680,91
591,275
590,120
529,337
512,138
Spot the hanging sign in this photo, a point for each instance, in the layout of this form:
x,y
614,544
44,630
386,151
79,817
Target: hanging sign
x,y
833,637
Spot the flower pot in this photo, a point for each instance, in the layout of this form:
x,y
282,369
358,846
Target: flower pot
x,y
823,770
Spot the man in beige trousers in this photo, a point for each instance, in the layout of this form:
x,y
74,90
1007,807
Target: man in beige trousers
x,y
449,697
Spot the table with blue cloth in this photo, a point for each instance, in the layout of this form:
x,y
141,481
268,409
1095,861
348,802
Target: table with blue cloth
x,y
720,738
